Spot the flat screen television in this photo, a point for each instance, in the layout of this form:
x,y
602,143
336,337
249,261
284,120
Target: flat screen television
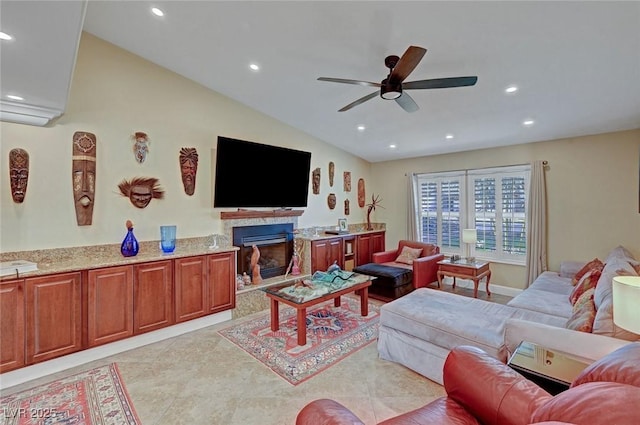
x,y
250,174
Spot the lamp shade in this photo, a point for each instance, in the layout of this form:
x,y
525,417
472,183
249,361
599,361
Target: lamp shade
x,y
626,302
469,236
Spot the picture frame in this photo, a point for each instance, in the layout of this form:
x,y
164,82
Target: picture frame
x,y
342,224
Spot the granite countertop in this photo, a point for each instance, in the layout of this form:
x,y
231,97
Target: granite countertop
x,y
62,260
352,231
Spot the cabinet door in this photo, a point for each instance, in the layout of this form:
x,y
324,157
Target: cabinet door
x,y
325,252
377,243
363,251
152,296
222,278
54,316
336,252
191,288
110,304
12,325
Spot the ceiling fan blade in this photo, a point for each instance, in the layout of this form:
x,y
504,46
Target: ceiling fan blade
x,y
407,103
407,63
345,81
359,101
440,83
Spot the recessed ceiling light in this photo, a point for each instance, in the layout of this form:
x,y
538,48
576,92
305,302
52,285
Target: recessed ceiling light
x,y
528,122
392,146
511,89
254,67
361,127
449,136
14,97
5,36
157,11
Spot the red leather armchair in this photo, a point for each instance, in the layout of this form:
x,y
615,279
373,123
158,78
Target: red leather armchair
x,y
425,268
482,390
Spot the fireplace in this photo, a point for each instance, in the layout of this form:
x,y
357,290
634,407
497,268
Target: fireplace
x,y
275,242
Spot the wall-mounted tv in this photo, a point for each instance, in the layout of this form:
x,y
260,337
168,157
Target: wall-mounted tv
x,y
250,174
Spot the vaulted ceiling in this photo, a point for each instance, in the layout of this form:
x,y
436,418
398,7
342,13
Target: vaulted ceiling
x,y
576,64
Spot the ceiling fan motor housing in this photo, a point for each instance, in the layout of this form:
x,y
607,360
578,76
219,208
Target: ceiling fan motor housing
x,y
390,90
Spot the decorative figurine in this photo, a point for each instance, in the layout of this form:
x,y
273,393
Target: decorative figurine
x,y
331,200
18,173
140,146
375,202
332,169
346,177
83,175
255,266
246,279
140,190
361,193
316,181
188,169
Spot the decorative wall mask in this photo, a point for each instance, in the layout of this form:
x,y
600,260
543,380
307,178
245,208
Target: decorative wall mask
x,y
140,146
316,181
361,193
332,170
83,175
346,177
141,190
188,169
331,201
18,173
346,207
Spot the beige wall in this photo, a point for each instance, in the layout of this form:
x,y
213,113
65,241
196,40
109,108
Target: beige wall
x,y
113,95
592,191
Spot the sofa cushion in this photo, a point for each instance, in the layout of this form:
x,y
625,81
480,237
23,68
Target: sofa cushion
x,y
587,281
583,317
548,294
603,323
585,298
613,268
408,254
593,264
620,252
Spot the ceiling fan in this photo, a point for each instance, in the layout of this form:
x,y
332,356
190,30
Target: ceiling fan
x,y
392,87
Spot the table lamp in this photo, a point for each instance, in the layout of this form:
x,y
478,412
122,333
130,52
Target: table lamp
x,y
626,302
470,237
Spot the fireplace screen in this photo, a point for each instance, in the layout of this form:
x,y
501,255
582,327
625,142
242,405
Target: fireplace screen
x,y
275,242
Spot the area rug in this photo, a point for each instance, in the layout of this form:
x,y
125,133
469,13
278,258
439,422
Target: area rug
x,y
94,397
333,333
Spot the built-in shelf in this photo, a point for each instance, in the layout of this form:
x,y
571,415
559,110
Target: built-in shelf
x,y
230,215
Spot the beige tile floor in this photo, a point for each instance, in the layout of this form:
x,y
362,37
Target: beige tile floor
x,y
201,378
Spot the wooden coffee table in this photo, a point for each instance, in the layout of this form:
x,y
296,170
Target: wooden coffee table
x,y
301,299
472,270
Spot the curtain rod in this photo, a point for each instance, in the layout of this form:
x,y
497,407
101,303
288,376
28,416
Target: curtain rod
x,y
544,163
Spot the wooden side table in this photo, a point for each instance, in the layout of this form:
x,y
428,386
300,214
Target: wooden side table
x,y
472,270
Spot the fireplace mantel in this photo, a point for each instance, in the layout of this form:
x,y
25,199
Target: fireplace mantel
x,y
243,214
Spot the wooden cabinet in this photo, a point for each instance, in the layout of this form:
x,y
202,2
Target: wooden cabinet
x,y
367,244
12,325
152,296
191,288
53,316
325,252
222,282
110,304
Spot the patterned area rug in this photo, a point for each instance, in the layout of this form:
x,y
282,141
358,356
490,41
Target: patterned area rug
x,y
333,333
94,397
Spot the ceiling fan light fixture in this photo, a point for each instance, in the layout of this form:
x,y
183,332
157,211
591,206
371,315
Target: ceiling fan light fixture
x,y
389,90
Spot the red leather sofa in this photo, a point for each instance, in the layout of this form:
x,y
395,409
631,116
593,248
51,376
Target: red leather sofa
x,y
425,267
482,390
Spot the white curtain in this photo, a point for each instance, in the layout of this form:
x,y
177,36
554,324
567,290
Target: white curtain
x,y
537,225
412,217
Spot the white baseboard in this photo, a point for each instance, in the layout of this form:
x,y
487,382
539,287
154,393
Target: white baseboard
x,y
15,377
497,289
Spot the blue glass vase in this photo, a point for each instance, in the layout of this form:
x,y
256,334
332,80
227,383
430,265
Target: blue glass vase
x,y
129,247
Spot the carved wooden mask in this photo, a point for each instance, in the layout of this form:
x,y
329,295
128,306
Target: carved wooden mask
x,y
141,190
331,201
332,170
347,181
188,169
361,193
83,175
316,181
140,146
18,173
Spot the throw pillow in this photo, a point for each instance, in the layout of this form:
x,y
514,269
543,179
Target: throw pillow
x,y
407,255
593,264
582,319
585,298
588,281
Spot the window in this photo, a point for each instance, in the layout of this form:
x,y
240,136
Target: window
x,y
493,201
